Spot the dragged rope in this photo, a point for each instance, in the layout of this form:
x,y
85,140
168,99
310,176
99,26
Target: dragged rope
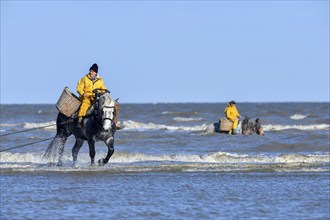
x,y
26,144
31,129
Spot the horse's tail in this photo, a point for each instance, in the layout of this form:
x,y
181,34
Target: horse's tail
x,y
51,152
56,147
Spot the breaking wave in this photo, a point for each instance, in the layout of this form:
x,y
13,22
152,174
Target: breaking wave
x,y
297,127
298,116
179,113
130,162
181,119
48,125
28,125
141,126
134,125
8,125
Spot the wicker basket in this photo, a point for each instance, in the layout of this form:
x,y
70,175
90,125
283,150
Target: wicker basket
x,y
225,124
68,103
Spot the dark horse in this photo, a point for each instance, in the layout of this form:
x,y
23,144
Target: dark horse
x,y
98,125
249,127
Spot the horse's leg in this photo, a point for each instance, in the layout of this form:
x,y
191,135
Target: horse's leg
x,y
91,145
110,143
75,149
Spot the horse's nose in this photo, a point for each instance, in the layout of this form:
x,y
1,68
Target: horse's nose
x,y
106,125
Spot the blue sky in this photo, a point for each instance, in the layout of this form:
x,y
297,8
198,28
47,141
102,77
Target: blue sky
x,y
167,51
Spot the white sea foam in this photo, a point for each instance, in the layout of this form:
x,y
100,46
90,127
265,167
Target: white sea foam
x,y
182,119
9,125
134,125
297,127
7,158
298,116
48,125
179,113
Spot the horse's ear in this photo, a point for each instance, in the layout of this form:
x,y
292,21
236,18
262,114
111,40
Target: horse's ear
x,y
117,99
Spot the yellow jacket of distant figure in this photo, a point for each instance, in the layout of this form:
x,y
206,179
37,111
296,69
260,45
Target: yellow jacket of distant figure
x,y
87,85
231,112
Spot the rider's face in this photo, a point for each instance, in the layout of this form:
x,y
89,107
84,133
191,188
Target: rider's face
x,y
92,73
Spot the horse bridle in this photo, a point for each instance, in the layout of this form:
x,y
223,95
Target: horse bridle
x,y
103,119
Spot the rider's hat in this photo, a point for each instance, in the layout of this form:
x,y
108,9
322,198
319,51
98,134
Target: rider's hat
x,y
232,103
94,67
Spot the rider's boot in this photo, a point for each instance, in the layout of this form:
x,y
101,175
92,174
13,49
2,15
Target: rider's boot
x,y
231,131
80,119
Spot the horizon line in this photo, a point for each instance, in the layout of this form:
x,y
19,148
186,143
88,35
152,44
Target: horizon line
x,y
191,102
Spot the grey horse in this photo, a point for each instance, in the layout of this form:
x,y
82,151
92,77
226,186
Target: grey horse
x,y
248,127
98,125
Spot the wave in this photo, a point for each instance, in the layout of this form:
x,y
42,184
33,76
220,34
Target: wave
x,y
134,125
297,127
181,119
298,116
47,125
130,162
9,125
140,126
29,125
180,113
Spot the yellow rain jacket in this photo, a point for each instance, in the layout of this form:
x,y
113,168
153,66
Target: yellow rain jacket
x,y
232,114
87,85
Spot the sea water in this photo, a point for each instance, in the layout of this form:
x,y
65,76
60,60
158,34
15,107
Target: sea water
x,y
169,164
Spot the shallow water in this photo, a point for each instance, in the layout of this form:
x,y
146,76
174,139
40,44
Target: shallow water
x,y
165,195
169,164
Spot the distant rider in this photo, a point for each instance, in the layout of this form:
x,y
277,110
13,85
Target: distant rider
x,y
232,114
85,88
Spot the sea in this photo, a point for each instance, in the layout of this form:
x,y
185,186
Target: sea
x,y
170,164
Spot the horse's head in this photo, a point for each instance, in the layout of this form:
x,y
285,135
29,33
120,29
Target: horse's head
x,y
258,127
107,111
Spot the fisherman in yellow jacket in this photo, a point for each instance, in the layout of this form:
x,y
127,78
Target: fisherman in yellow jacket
x,y
232,114
85,88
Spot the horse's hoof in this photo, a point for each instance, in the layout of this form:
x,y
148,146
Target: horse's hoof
x,y
74,164
101,162
59,164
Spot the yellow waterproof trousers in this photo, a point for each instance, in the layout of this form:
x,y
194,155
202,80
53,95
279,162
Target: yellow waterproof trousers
x,y
86,102
235,123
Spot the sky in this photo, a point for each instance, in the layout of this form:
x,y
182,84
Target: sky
x,y
167,51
